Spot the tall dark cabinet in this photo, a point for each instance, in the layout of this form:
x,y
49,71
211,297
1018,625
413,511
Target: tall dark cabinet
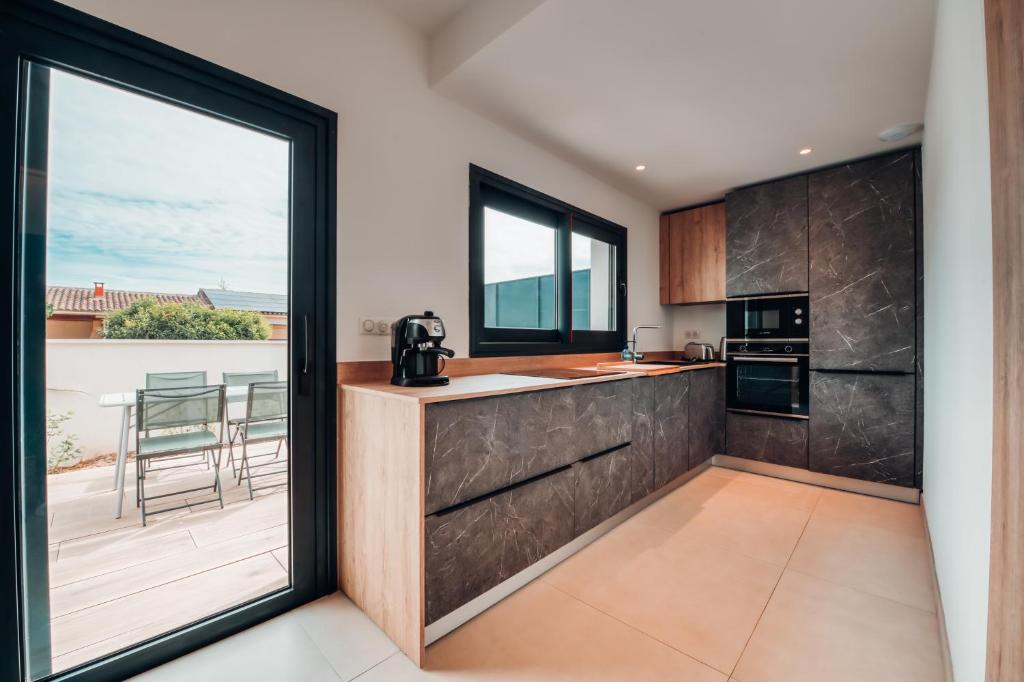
x,y
862,265
766,238
863,289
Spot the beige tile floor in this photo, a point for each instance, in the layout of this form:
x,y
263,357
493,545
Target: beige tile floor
x,y
731,577
114,582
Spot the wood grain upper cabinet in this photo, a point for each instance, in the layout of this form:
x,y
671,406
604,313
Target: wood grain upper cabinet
x,y
693,255
766,238
862,262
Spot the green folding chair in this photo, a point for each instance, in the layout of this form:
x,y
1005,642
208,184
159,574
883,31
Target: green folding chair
x,y
177,380
190,420
266,420
241,379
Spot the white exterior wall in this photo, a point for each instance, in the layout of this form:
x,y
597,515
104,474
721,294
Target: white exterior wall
x,y
79,371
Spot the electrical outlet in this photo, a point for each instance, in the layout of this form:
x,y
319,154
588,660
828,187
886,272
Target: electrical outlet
x,y
372,326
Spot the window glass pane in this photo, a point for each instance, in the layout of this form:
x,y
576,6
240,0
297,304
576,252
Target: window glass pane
x,y
163,474
519,272
593,284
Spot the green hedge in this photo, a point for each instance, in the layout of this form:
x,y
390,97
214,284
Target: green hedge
x,y
147,319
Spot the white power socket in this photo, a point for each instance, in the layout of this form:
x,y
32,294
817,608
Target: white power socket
x,y
373,326
692,333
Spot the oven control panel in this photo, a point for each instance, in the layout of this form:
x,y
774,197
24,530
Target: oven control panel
x,y
745,347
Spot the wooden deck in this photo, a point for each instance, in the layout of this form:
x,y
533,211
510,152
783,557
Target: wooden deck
x,y
114,583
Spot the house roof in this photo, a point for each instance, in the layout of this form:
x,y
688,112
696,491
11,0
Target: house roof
x,y
81,300
272,304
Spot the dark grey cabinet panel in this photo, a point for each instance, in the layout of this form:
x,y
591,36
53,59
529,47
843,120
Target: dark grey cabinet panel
x,y
473,548
767,439
766,238
671,426
474,447
603,417
862,265
862,426
707,414
602,488
641,450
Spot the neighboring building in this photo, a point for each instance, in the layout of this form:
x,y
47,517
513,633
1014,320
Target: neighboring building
x,y
78,312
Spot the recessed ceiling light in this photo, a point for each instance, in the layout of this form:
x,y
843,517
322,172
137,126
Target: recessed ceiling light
x,y
805,151
899,132
641,167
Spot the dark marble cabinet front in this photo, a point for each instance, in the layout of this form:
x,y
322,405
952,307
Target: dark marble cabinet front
x,y
766,238
767,439
641,449
863,426
707,415
471,549
602,488
671,426
473,447
862,265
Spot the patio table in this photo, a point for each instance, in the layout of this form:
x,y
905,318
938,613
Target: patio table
x,y
126,401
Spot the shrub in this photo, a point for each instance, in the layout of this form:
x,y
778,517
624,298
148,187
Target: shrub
x,y
147,319
61,447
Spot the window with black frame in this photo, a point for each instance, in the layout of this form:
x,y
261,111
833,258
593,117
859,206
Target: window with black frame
x,y
545,277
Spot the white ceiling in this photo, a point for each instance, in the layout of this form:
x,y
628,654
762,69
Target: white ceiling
x,y
426,16
709,94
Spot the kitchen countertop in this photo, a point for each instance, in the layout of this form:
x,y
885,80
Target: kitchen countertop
x,y
482,385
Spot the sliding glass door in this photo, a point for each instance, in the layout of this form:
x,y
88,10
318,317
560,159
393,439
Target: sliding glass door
x,y
171,248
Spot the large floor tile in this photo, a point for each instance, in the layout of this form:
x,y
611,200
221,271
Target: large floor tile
x,y
815,630
539,634
882,562
769,489
696,597
347,638
897,517
279,649
732,519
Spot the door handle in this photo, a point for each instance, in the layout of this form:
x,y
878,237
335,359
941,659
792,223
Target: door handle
x,y
306,352
788,361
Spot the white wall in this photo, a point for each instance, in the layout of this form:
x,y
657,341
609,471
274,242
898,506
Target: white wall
x,y
79,371
958,311
707,320
403,153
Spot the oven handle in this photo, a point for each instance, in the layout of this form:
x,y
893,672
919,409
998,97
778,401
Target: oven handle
x,y
747,358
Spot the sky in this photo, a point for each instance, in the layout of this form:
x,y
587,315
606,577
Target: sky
x,y
515,248
149,196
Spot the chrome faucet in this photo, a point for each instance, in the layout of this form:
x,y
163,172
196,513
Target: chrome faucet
x,y
634,354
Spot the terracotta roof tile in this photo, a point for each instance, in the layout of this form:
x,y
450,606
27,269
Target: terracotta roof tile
x,y
81,300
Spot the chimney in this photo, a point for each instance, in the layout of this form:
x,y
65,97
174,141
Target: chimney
x,y
97,289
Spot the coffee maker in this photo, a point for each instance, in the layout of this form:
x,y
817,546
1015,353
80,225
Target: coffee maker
x,y
416,349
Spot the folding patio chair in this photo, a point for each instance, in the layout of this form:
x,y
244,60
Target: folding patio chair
x,y
177,380
186,415
241,379
266,420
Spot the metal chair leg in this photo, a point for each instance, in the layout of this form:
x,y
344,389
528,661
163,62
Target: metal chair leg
x,y
141,484
216,483
245,464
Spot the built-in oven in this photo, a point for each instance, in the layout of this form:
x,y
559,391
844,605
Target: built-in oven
x,y
767,317
768,378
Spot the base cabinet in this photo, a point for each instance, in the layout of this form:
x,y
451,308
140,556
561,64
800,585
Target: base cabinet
x,y
671,426
602,489
471,549
862,426
641,449
707,415
767,439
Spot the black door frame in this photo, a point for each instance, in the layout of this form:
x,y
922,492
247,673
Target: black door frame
x,y
51,34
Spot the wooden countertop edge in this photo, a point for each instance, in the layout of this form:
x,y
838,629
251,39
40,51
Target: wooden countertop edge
x,y
408,395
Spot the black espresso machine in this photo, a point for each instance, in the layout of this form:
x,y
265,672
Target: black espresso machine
x,y
416,351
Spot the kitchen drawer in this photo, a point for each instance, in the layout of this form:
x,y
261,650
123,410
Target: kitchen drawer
x,y
863,426
602,488
671,427
472,548
767,439
474,447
